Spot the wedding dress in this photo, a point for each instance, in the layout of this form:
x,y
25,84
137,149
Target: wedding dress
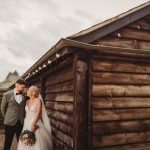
x,y
43,133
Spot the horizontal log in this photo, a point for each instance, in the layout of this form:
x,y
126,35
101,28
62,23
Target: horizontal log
x,y
62,87
65,138
133,34
118,90
124,43
139,146
120,102
62,117
112,127
140,25
121,78
120,66
64,107
60,97
59,145
60,76
116,42
144,45
121,138
121,114
65,128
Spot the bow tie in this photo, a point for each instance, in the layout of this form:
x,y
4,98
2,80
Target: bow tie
x,y
18,93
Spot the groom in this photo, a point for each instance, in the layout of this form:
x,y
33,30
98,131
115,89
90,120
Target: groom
x,y
13,111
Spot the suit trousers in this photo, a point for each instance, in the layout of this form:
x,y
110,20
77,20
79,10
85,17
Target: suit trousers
x,y
10,131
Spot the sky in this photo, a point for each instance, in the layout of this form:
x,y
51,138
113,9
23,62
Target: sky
x,y
29,28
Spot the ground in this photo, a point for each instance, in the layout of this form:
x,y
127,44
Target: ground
x,y
2,140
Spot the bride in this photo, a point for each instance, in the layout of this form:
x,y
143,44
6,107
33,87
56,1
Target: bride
x,y
36,115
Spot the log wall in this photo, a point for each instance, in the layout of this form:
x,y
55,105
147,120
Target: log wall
x,y
120,104
135,35
58,92
120,97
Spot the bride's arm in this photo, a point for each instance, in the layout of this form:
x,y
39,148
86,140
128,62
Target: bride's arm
x,y
37,115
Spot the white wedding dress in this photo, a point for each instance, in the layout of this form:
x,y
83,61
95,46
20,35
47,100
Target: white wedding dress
x,y
43,136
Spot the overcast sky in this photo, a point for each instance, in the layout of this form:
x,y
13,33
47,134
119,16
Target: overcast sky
x,y
29,28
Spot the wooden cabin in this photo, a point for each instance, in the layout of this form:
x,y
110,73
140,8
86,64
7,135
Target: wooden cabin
x,y
96,85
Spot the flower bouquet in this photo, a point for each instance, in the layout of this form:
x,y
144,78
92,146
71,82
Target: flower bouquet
x,y
28,137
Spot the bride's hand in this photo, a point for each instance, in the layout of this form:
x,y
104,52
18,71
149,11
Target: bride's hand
x,y
33,129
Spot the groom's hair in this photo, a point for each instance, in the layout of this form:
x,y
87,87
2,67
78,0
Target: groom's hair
x,y
21,81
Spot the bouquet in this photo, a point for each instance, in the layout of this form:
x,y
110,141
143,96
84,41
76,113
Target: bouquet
x,y
28,137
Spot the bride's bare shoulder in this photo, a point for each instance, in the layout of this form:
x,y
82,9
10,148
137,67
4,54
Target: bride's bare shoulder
x,y
38,101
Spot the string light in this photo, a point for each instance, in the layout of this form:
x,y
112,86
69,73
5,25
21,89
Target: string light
x,y
139,27
44,66
119,35
57,55
49,61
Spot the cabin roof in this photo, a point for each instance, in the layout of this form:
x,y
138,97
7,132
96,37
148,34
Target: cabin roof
x,y
101,29
81,40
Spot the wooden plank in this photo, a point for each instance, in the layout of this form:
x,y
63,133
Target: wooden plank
x,y
133,34
120,66
112,127
121,138
121,90
60,76
64,107
60,97
65,128
121,114
123,42
63,117
139,146
61,87
120,102
116,42
140,25
59,145
121,78
65,138
144,45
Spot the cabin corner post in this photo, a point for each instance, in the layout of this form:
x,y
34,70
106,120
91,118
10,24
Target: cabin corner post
x,y
80,102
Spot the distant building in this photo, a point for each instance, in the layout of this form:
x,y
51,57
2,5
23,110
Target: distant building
x,y
10,80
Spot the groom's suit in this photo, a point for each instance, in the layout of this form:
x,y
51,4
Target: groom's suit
x,y
13,113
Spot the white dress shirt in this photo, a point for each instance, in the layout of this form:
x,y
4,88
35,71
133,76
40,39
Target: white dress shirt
x,y
18,98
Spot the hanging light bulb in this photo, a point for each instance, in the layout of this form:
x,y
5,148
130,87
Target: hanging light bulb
x,y
139,27
40,68
49,61
57,55
44,66
119,35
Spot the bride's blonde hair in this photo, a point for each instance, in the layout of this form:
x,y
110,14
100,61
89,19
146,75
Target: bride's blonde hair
x,y
34,89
